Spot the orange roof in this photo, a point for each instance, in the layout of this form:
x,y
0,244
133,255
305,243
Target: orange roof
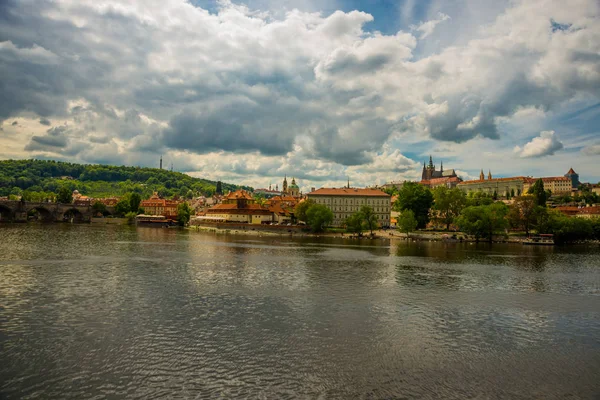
x,y
348,192
571,171
515,178
239,194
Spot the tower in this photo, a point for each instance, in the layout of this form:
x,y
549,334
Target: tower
x,y
481,175
574,177
489,174
285,186
441,166
161,161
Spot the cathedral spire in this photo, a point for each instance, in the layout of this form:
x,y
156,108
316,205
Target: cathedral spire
x,y
489,174
441,166
481,175
431,162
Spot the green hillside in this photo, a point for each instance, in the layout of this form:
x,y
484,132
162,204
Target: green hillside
x,y
38,179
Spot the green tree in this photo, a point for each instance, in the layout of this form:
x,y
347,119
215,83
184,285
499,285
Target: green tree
x,y
130,217
448,203
301,208
522,213
99,208
537,190
479,199
184,213
122,207
355,223
407,222
369,217
318,217
483,221
134,202
418,199
64,195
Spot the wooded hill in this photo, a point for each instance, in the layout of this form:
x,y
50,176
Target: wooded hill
x,y
43,177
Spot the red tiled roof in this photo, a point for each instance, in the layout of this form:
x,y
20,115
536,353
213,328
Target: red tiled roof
x,y
571,171
348,192
239,194
515,178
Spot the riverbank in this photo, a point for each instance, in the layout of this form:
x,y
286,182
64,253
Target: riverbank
x,y
389,234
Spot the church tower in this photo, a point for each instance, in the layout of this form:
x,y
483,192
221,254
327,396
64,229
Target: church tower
x,y
285,186
161,161
489,174
481,175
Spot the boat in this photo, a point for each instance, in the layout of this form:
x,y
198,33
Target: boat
x,y
540,240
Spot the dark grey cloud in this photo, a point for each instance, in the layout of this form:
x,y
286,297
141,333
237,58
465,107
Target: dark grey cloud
x,y
55,139
14,123
45,121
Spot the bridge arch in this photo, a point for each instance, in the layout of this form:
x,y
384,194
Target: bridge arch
x,y
40,214
6,213
73,215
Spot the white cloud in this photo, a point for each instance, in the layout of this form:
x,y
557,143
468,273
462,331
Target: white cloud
x,y
591,150
544,145
427,28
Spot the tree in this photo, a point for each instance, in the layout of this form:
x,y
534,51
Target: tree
x,y
318,217
64,195
122,207
130,217
537,190
355,223
407,222
219,189
99,208
301,208
369,217
483,221
418,199
184,213
522,213
479,199
134,202
448,203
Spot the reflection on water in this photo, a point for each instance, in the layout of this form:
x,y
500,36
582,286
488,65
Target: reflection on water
x,y
117,312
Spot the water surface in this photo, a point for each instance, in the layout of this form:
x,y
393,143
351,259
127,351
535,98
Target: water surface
x,y
114,312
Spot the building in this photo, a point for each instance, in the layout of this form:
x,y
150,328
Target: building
x,y
344,202
433,178
239,206
292,189
268,193
581,212
574,177
558,185
596,189
157,206
503,187
81,200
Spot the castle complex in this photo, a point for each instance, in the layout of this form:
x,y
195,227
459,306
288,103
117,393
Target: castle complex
x,y
433,178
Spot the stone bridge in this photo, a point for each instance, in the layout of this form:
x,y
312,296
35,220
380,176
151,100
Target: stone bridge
x,y
22,211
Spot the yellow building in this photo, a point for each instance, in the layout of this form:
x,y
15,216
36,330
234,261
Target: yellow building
x,y
556,184
239,206
346,201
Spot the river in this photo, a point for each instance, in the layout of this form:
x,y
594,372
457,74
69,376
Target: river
x,y
118,312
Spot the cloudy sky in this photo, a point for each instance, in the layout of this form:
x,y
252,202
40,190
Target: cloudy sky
x,y
322,90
